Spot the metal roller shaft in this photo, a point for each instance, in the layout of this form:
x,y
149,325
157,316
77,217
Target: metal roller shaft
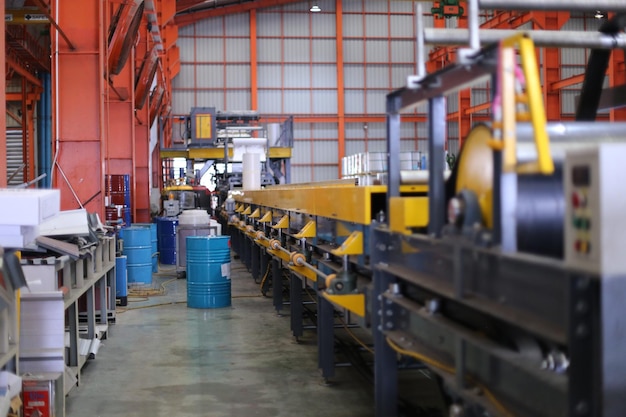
x,y
315,270
570,5
548,38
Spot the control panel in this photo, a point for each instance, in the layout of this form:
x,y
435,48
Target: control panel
x,y
595,215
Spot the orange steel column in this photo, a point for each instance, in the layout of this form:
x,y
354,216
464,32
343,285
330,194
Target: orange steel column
x,y
617,77
3,104
28,132
254,86
341,110
551,68
78,104
464,103
121,145
142,157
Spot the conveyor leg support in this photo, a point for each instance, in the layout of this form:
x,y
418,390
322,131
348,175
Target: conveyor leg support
x,y
385,363
277,285
325,338
255,258
385,367
295,292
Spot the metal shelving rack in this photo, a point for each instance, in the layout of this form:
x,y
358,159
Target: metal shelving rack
x,y
77,279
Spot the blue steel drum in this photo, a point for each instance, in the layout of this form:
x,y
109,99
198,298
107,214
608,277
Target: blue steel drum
x,y
127,192
121,280
154,241
138,250
208,271
126,215
166,230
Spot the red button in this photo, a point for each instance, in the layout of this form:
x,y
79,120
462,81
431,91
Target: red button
x,y
577,245
579,199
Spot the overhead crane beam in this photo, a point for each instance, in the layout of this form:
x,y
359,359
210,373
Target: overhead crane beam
x,y
184,5
185,19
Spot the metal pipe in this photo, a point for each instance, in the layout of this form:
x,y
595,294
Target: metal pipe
x,y
314,269
570,5
575,131
31,182
280,248
473,24
419,41
299,261
17,171
548,38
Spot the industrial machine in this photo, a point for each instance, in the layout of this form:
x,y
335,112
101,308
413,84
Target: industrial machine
x,y
177,198
221,140
504,279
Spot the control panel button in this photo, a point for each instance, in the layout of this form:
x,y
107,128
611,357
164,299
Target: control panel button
x,y
581,223
585,223
582,246
579,200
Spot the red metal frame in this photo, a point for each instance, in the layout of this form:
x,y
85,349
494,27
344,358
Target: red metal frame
x,y
3,104
78,104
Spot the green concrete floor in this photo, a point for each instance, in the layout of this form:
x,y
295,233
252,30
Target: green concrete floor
x,y
170,360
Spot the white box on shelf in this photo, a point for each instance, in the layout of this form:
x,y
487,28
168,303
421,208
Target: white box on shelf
x,y
11,383
40,278
28,207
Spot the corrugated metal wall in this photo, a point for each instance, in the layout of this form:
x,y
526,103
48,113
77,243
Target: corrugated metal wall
x,y
215,65
15,156
297,74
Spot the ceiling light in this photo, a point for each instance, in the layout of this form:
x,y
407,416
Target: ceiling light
x,y
598,15
315,8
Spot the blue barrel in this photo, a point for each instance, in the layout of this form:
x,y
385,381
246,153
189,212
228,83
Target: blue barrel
x,y
138,250
154,241
208,271
166,230
126,215
121,280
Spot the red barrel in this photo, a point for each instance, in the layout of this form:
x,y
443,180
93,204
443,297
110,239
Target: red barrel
x,y
117,188
113,214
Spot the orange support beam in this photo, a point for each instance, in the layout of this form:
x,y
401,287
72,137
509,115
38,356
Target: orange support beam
x,y
141,136
166,11
254,78
3,104
576,79
28,134
438,58
121,152
617,77
78,105
341,107
551,68
190,18
464,96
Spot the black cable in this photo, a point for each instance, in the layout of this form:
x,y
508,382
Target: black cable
x,y
597,65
